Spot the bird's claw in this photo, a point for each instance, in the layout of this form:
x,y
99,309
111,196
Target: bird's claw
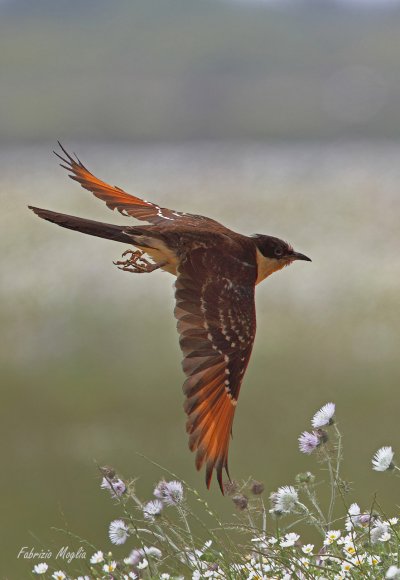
x,y
136,263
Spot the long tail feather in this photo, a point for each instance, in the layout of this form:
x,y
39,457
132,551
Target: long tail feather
x,y
93,228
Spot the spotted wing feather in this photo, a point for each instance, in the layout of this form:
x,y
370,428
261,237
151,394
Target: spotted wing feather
x,y
216,322
125,203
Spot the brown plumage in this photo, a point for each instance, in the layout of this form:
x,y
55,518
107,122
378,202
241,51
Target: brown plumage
x,y
217,271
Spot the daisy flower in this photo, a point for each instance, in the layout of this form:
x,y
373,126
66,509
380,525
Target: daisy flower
x,y
152,509
285,499
170,492
59,575
378,532
307,548
110,567
308,442
289,540
97,558
116,487
373,560
118,532
324,416
331,537
40,568
383,459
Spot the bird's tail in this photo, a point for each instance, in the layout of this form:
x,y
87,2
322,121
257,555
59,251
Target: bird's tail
x,y
93,228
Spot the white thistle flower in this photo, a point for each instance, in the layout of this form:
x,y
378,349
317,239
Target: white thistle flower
x,y
383,459
378,532
285,499
116,487
118,532
353,517
110,567
289,540
143,564
59,575
324,416
97,558
393,572
170,492
152,509
385,537
40,568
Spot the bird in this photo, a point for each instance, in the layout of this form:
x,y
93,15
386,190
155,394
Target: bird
x,y
216,270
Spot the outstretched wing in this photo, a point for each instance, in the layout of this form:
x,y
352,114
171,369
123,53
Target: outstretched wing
x,y
117,198
217,323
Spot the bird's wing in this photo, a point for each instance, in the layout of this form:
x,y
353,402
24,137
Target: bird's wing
x,y
117,198
217,323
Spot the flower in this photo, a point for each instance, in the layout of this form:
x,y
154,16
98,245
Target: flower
x,y
308,442
393,572
110,567
285,499
257,487
170,492
289,540
97,558
116,487
118,532
59,575
373,560
324,416
353,517
307,548
393,521
383,459
378,532
152,509
40,568
143,564
331,537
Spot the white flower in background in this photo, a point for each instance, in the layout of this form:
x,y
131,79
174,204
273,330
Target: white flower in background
x,y
324,416
143,564
393,521
116,487
285,499
260,542
385,537
308,442
393,572
378,532
110,567
152,509
349,549
331,537
383,459
359,559
59,575
289,540
170,492
307,548
353,517
40,568
165,576
373,560
346,566
83,578
97,558
118,532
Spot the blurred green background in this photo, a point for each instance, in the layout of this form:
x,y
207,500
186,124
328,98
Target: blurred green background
x,y
279,118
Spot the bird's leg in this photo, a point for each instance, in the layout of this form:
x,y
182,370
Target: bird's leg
x,y
136,263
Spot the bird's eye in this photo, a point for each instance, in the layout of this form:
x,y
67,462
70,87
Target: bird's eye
x,y
278,252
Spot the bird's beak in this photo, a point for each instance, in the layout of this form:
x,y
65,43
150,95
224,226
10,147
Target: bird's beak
x,y
298,256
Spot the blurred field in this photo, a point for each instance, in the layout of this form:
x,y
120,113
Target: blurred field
x,y
90,359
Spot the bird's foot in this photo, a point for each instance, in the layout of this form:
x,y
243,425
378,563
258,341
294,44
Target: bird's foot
x,y
136,263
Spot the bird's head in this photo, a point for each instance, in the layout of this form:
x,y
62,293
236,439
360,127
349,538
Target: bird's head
x,y
274,254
